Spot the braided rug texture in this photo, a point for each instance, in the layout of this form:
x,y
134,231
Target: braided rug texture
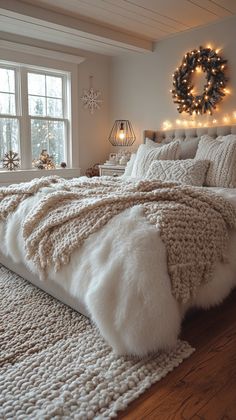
x,y
55,365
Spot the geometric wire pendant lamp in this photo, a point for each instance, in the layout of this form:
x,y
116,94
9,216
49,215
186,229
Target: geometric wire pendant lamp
x,y
122,133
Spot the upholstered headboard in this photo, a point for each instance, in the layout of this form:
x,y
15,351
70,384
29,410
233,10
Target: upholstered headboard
x,y
184,134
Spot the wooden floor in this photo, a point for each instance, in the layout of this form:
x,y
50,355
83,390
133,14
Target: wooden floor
x,y
203,387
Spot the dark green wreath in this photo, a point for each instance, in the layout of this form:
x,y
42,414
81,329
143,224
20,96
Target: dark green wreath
x,y
214,89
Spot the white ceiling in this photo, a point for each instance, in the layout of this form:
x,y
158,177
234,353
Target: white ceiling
x,y
109,26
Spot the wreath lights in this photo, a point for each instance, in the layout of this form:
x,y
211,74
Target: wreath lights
x,y
207,60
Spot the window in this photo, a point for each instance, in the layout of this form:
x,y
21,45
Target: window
x,y
34,113
9,124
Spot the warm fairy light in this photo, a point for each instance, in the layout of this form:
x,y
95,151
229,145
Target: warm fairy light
x,y
226,119
227,91
166,125
185,95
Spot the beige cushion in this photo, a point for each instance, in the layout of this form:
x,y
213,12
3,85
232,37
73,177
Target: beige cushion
x,y
187,172
151,143
221,152
188,147
146,155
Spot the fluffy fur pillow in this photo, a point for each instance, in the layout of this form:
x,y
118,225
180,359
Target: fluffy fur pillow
x,y
146,155
187,172
221,152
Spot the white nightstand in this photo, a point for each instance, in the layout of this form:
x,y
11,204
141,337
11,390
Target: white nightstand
x,y
111,170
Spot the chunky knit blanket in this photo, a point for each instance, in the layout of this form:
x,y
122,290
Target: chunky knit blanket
x,y
193,223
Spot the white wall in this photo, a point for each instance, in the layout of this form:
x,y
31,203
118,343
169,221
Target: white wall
x,y
93,142
141,83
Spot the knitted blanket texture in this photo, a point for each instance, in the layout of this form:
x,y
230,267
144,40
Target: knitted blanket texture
x,y
193,223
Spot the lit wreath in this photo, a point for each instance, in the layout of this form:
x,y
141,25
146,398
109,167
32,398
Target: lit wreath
x,y
213,65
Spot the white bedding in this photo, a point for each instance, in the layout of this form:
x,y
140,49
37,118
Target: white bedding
x,y
119,278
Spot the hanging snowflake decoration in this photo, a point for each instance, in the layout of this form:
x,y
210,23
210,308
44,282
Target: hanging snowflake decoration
x,y
91,98
11,161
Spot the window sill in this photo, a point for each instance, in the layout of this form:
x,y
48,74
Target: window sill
x,y
23,175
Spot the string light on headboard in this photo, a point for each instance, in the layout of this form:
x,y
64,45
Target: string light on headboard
x,y
167,125
226,119
183,123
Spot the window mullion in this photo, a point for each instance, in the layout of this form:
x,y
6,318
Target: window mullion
x,y
25,129
67,115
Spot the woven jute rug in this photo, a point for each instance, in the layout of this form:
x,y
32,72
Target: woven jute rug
x,y
55,365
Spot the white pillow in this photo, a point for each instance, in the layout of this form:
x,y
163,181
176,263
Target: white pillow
x,y
221,152
187,172
129,166
188,147
146,155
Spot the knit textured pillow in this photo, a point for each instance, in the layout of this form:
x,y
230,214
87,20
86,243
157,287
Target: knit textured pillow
x,y
221,152
146,155
187,172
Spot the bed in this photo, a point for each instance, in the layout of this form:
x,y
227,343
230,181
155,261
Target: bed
x,y
119,276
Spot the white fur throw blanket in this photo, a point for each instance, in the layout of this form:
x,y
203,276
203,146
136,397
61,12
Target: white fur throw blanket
x,y
193,224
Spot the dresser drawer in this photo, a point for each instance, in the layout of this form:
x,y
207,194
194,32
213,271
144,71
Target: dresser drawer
x,y
112,171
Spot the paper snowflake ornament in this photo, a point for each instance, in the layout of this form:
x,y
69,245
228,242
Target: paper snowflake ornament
x,y
11,161
91,98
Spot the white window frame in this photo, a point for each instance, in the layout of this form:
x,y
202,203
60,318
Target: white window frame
x,y
15,53
22,109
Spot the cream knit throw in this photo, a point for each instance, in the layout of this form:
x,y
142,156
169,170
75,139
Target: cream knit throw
x,y
193,224
11,197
